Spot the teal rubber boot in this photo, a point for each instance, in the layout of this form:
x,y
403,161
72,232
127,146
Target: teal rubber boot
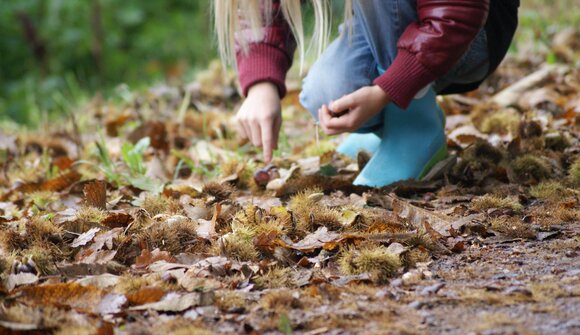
x,y
356,142
413,140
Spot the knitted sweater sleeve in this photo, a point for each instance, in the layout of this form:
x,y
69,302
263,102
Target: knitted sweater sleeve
x,y
430,47
270,58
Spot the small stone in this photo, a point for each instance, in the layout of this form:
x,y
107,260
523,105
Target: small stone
x,y
412,278
416,304
433,289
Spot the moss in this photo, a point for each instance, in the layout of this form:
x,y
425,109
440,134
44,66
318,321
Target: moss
x,y
41,199
47,316
574,174
373,259
237,246
547,292
129,284
318,149
244,171
556,141
478,162
174,238
219,191
280,300
43,259
90,215
160,204
501,122
191,330
275,277
529,129
483,150
41,230
13,240
414,256
230,301
489,201
310,214
530,168
549,190
513,227
6,261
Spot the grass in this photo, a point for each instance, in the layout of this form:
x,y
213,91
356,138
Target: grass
x,y
490,201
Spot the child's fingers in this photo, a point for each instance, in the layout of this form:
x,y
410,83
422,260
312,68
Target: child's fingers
x,y
277,126
343,104
324,115
267,141
241,129
256,134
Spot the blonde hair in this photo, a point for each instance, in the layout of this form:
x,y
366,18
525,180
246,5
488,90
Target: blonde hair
x,y
233,18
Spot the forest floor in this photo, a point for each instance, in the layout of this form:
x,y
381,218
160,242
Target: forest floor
x,y
145,215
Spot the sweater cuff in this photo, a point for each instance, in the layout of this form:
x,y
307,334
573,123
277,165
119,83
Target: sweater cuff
x,y
263,63
404,79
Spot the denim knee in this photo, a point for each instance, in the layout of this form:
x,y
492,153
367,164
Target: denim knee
x,y
318,90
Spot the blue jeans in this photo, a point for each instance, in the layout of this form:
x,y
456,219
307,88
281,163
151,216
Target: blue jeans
x,y
352,62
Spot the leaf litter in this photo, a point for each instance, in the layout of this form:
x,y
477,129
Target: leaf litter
x,y
173,226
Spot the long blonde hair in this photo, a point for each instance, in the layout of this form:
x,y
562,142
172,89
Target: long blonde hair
x,y
233,16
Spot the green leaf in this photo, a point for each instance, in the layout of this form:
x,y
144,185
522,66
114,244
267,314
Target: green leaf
x,y
284,325
145,183
328,170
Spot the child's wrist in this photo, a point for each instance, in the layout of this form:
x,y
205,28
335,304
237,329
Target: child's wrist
x,y
264,87
381,95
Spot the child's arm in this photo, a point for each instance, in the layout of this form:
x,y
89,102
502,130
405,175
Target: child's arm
x,y
262,73
427,50
430,47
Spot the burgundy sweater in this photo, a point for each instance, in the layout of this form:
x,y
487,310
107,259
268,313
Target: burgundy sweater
x,y
427,49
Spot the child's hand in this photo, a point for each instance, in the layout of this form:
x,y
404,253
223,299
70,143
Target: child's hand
x,y
350,112
260,118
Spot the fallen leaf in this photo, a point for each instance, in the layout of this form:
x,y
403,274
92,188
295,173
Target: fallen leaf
x,y
418,217
23,278
85,238
73,295
101,281
95,194
145,295
117,219
111,304
147,257
319,239
173,302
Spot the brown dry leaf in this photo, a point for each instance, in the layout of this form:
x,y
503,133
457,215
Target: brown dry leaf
x,y
23,278
321,238
465,136
145,295
90,256
117,220
147,258
101,281
54,185
112,125
174,302
216,265
73,295
418,217
95,252
206,228
112,303
156,132
62,162
61,182
85,238
95,194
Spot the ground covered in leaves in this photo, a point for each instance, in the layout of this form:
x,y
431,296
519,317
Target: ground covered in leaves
x,y
145,215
